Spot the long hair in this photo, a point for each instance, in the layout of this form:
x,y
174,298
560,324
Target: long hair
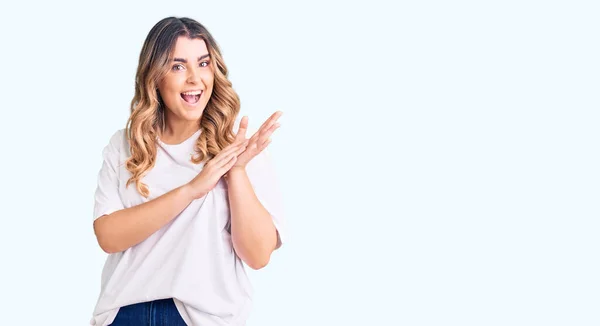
x,y
147,116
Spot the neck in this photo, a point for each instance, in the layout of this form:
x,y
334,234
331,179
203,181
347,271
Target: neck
x,y
176,132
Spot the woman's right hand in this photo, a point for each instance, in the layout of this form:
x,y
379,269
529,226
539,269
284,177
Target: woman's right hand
x,y
214,169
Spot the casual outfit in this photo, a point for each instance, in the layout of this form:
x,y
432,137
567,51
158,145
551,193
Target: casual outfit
x,y
191,259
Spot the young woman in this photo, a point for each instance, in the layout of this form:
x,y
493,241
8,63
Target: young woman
x,y
183,198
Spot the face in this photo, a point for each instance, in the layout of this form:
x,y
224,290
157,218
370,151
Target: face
x,y
187,87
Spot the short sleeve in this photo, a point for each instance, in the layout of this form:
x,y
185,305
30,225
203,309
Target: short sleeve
x,y
106,198
263,177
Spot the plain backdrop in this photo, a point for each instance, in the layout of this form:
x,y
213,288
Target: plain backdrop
x,y
439,159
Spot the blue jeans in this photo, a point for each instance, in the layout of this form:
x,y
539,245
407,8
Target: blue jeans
x,y
153,313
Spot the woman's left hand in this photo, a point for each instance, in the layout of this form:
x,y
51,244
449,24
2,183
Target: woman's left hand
x,y
258,142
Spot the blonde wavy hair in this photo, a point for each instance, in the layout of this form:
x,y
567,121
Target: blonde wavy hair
x,y
147,116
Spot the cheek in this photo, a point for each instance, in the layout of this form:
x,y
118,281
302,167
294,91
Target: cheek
x,y
208,78
170,88
210,86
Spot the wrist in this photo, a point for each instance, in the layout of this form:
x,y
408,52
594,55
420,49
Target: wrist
x,y
187,192
237,169
234,172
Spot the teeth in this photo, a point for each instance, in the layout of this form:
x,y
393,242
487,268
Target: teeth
x,y
192,93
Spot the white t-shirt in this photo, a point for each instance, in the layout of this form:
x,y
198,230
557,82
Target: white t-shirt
x,y
191,259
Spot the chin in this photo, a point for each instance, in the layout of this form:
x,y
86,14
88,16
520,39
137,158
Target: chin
x,y
194,115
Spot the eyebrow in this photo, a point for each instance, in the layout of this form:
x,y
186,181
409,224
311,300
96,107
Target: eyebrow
x,y
185,60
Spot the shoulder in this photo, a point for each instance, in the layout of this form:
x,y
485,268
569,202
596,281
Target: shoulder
x,y
118,136
117,141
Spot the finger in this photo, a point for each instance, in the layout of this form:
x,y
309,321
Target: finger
x,y
225,153
272,128
225,168
258,139
225,160
270,121
241,133
273,119
267,134
232,145
264,145
253,140
230,164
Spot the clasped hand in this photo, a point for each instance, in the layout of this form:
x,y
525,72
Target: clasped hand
x,y
235,156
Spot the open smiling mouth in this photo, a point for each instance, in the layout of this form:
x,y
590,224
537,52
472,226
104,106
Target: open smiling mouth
x,y
191,97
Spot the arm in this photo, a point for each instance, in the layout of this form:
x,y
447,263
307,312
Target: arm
x,y
127,227
119,228
253,233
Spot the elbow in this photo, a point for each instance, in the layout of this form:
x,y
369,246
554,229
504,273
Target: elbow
x,y
107,248
258,263
257,260
104,243
255,254
262,258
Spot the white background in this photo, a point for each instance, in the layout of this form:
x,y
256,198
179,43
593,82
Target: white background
x,y
439,159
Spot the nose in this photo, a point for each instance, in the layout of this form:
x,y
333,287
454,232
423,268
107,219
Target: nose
x,y
193,76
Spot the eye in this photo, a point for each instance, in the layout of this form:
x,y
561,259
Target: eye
x,y
204,64
178,67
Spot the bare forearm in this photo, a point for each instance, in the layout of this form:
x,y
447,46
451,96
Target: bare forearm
x,y
253,233
125,228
